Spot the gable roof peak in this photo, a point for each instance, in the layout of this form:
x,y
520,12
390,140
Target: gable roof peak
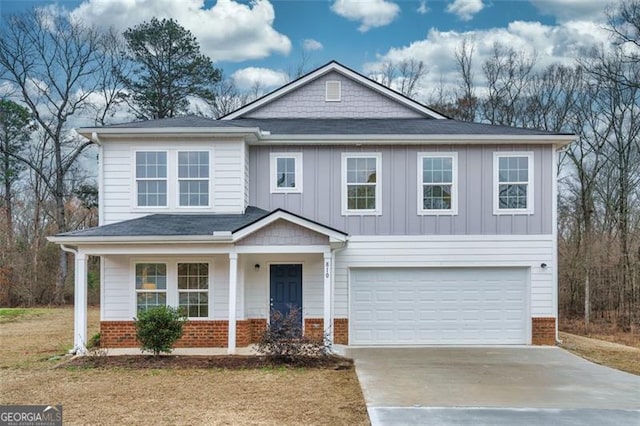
x,y
335,66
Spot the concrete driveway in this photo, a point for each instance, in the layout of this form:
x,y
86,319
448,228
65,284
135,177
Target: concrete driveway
x,y
493,386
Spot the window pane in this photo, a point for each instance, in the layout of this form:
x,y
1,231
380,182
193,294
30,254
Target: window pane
x,y
286,172
151,165
193,165
361,197
437,170
436,197
194,193
361,170
513,169
152,193
151,276
513,196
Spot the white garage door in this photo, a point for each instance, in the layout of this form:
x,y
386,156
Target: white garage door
x,y
412,306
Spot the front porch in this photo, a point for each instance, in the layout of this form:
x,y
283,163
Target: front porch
x,y
225,282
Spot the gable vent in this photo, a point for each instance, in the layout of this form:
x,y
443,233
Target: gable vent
x,y
332,91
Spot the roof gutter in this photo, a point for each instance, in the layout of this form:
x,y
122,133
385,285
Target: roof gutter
x,y
414,139
140,239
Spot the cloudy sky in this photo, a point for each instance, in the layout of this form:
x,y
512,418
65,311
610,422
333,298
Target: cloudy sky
x,y
263,41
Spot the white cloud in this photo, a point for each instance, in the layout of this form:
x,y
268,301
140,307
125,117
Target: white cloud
x,y
565,10
370,13
465,9
228,30
551,44
311,44
422,9
248,78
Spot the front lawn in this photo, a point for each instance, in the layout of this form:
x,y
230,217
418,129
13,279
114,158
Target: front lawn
x,y
32,341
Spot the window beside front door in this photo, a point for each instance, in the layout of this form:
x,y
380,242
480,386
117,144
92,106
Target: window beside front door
x,y
151,285
193,289
361,183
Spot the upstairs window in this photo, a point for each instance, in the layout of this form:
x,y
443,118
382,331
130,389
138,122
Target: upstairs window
x,y
286,172
513,182
361,183
437,183
151,285
151,178
193,178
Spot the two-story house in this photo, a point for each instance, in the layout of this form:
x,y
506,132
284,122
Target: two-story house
x,y
383,221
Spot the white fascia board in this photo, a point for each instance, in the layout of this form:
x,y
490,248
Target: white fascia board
x,y
461,238
244,232
123,132
169,239
558,140
333,66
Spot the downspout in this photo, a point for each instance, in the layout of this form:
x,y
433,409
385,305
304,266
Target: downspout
x,y
96,139
68,249
333,289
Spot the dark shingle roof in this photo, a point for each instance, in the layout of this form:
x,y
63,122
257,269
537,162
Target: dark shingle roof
x,y
380,126
340,126
186,121
173,225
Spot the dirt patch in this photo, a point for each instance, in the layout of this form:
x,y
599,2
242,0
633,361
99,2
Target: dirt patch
x,y
233,362
168,395
625,358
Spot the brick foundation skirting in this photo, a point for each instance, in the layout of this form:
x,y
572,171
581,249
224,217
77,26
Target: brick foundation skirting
x,y
543,331
196,334
341,331
213,334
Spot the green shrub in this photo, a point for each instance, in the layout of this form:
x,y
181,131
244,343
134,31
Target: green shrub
x,y
94,341
159,328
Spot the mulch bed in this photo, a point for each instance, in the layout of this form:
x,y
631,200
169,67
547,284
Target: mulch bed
x,y
232,362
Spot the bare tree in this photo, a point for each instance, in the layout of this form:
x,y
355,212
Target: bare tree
x,y
55,64
508,73
403,76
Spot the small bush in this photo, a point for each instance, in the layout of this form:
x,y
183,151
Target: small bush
x,y
159,328
283,341
94,341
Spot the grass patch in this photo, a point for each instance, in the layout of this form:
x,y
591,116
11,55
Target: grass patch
x,y
621,357
13,314
120,395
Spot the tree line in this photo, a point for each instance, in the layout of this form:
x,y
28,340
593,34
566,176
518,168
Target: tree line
x,y
56,74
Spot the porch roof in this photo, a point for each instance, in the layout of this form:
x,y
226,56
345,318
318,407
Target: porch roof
x,y
189,227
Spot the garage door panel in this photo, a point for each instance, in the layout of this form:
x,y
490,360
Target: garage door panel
x,y
438,306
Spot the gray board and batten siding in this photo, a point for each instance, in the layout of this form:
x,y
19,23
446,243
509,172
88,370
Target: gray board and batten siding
x,y
321,197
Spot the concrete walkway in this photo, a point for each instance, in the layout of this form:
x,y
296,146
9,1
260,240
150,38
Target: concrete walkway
x,y
493,386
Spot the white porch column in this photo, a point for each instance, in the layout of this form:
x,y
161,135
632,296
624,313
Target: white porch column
x,y
233,296
80,305
328,326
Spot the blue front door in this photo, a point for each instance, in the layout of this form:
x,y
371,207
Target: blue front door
x,y
286,290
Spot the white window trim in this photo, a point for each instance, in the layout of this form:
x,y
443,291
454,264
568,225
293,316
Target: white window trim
x,y
136,291
208,291
530,188
273,169
134,175
172,283
178,179
454,184
326,91
371,212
